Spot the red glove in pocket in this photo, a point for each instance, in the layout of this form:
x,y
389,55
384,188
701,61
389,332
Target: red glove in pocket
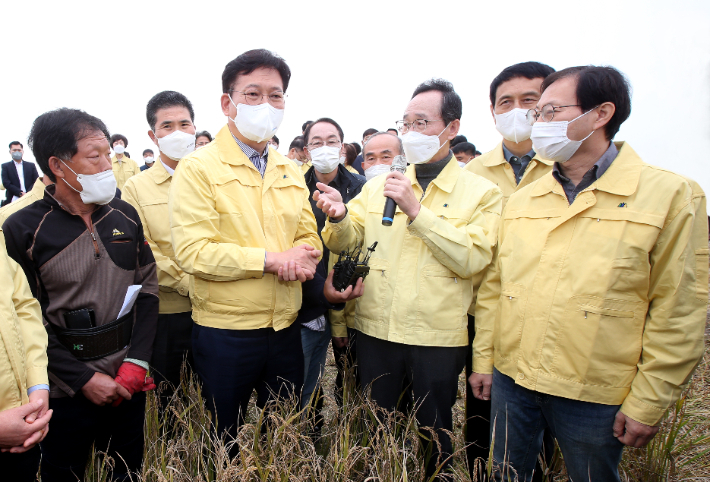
x,y
132,377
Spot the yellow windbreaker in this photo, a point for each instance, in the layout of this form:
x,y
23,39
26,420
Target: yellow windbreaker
x,y
419,286
23,339
35,194
603,300
123,170
148,193
224,218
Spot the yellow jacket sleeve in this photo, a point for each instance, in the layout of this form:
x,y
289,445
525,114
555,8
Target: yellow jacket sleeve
x,y
194,223
307,230
673,336
468,250
170,276
34,335
350,231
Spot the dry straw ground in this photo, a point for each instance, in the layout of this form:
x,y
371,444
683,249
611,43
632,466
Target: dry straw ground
x,y
360,443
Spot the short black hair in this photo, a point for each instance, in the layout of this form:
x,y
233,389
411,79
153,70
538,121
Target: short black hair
x,y
204,134
394,129
147,151
305,125
57,133
529,70
478,153
327,120
297,143
451,107
357,147
596,85
163,100
276,139
369,132
464,147
118,137
458,140
251,60
14,143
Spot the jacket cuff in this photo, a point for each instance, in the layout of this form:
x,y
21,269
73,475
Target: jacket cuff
x,y
339,226
641,411
255,263
423,223
183,288
484,366
37,376
338,331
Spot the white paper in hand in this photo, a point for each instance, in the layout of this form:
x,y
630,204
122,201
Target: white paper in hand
x,y
131,296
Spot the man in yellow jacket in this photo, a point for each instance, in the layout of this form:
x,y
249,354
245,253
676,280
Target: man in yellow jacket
x,y
122,165
242,225
24,385
512,165
411,320
170,116
591,320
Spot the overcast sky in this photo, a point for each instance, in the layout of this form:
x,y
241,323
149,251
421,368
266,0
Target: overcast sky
x,y
357,62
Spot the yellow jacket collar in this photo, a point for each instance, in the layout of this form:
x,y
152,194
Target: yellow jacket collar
x,y
230,153
446,180
498,158
621,178
158,171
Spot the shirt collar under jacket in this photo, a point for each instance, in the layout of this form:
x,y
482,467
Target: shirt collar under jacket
x,y
446,180
596,171
257,159
519,164
168,169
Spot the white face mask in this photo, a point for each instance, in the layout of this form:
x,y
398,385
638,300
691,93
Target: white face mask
x,y
420,148
176,145
325,159
96,188
342,160
119,149
376,170
257,123
461,164
550,140
514,125
148,160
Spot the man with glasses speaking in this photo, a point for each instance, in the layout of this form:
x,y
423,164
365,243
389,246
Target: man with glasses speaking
x,y
242,225
412,319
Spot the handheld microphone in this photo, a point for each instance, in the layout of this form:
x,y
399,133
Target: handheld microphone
x,y
398,164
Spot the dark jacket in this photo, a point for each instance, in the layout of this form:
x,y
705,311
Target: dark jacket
x,y
144,167
70,267
12,182
314,302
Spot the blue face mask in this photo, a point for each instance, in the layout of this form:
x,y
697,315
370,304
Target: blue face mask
x,y
17,156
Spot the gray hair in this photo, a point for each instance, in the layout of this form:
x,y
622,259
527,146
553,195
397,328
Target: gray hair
x,y
401,147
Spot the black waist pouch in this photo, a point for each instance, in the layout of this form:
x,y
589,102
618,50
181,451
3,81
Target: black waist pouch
x,y
93,343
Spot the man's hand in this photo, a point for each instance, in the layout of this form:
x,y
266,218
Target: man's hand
x,y
481,385
329,201
632,433
399,188
304,258
340,341
18,435
102,390
334,296
34,396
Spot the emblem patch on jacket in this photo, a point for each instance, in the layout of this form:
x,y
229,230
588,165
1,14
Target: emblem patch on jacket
x,y
116,232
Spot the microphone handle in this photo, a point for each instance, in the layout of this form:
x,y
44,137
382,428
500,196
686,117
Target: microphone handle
x,y
388,214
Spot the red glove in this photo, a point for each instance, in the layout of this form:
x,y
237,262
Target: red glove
x,y
132,377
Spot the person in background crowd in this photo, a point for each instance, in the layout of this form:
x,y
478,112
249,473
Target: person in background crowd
x,y
357,147
411,320
171,121
148,159
357,163
123,166
478,153
393,131
248,268
297,155
464,152
84,251
305,126
202,139
616,313
35,194
24,385
324,146
458,140
512,165
17,175
349,158
274,142
380,150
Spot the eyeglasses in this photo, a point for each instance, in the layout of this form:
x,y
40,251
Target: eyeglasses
x,y
547,113
253,97
418,125
319,143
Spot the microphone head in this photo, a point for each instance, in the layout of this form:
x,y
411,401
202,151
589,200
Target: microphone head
x,y
399,163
